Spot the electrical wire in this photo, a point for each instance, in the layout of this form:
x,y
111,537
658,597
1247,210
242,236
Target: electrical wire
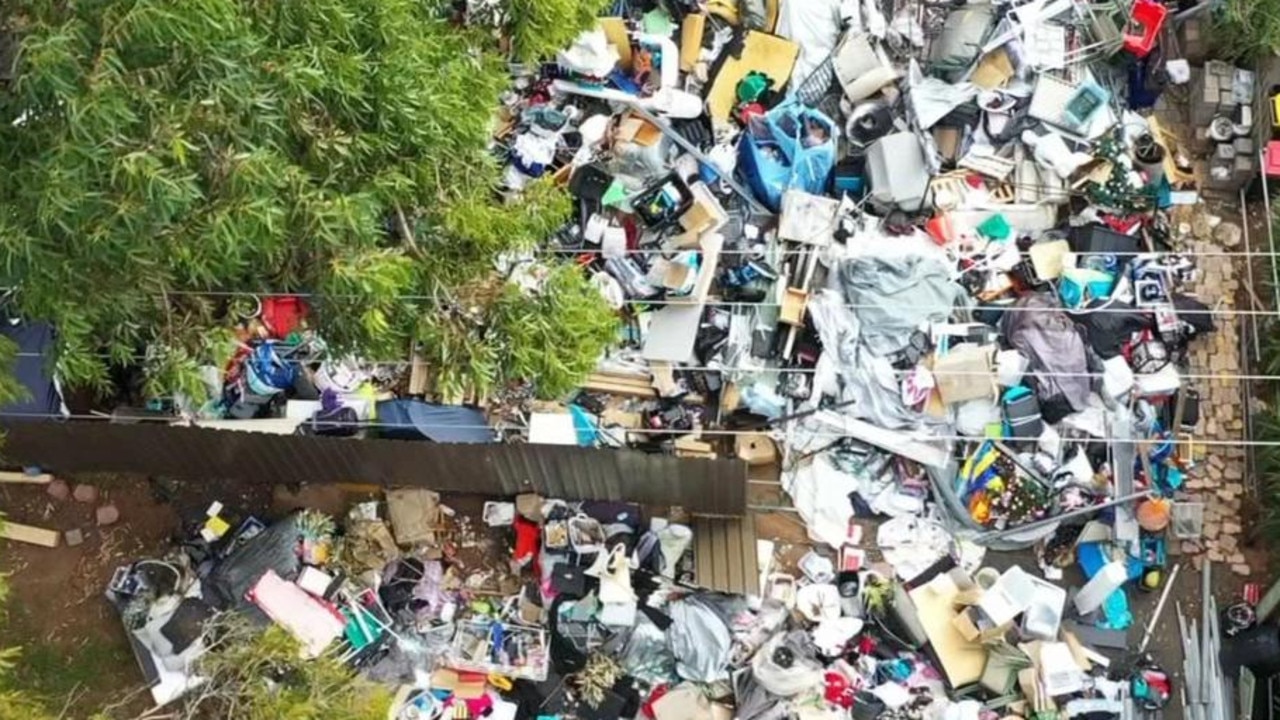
x,y
744,304
908,435
762,369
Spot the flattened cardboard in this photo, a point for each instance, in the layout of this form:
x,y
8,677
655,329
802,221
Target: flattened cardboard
x,y
414,514
959,374
961,661
994,70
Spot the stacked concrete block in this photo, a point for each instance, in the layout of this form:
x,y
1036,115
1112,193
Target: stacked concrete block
x,y
1192,41
1218,90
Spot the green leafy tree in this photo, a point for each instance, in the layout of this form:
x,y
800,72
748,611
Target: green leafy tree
x,y
258,675
158,158
1244,30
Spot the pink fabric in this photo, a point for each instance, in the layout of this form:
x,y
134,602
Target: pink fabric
x,y
311,621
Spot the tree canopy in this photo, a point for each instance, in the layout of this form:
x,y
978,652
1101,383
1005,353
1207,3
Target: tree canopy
x,y
161,157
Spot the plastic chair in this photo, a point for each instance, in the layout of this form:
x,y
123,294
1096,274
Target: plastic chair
x,y
1148,16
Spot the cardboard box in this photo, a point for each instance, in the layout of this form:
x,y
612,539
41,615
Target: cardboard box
x,y
964,373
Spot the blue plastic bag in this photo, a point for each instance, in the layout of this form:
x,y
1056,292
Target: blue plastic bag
x,y
792,147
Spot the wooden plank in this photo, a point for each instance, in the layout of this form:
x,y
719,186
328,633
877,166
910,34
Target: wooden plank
x,y
21,477
29,534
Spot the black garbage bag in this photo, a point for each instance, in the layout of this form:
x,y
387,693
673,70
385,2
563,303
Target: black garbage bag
x,y
275,548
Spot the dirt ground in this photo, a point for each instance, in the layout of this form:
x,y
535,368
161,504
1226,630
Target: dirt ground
x,y
74,648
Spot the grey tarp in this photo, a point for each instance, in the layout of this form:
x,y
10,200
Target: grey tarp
x,y
892,297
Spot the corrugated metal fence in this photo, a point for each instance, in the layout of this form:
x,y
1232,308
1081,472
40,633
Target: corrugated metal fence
x,y
710,487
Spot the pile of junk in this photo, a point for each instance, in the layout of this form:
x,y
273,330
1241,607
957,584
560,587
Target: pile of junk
x,y
597,613
947,221
922,256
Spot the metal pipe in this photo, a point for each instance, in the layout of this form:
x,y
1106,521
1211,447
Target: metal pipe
x,y
693,150
1206,596
1155,616
1248,255
1271,236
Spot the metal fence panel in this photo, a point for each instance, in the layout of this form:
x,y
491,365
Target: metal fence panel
x,y
708,487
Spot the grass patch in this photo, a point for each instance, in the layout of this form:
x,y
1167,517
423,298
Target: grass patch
x,y
94,666
96,669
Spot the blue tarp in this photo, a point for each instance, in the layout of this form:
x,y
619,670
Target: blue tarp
x,y
418,420
34,370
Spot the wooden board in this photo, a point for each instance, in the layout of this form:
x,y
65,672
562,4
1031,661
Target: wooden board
x,y
29,534
21,477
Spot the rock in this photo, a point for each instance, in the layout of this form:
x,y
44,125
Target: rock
x,y
1229,234
1200,226
1211,530
1225,494
85,493
1191,547
1231,528
74,537
1240,569
1215,473
1228,543
1216,460
1216,555
107,514
1236,557
1233,472
58,489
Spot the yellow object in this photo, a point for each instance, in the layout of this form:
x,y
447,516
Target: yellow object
x,y
726,10
615,30
769,54
1275,111
500,682
217,526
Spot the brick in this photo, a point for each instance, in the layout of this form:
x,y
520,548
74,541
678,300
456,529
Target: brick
x,y
58,489
107,515
85,493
